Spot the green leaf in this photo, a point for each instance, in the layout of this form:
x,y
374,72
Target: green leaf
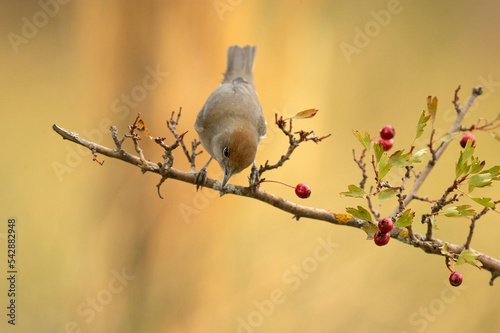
x,y
494,171
445,251
416,158
451,212
400,160
466,211
450,136
468,257
354,192
384,166
468,150
459,211
462,167
433,222
365,140
386,194
405,219
360,213
476,166
422,121
378,148
496,135
480,180
432,104
486,202
370,230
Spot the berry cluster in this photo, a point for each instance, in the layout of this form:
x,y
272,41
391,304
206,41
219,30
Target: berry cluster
x,y
387,133
383,235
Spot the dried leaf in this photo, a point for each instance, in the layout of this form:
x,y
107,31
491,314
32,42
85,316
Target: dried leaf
x,y
305,114
432,104
141,127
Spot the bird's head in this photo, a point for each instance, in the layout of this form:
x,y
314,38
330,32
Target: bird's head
x,y
237,152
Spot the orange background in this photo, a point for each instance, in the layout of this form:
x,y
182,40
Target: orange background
x,y
231,266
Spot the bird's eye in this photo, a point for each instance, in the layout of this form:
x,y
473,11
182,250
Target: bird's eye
x,y
226,151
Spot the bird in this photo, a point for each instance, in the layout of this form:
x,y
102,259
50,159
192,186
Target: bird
x,y
231,123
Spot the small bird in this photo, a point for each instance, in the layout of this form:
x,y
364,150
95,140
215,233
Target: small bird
x,y
231,123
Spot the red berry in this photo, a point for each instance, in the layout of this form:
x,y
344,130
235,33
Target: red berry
x,y
387,144
385,225
381,238
467,137
387,132
303,191
456,279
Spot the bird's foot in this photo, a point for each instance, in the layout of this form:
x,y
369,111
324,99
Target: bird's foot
x,y
200,178
254,179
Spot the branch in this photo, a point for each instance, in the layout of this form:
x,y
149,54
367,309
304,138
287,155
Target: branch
x,y
172,125
293,142
461,111
432,246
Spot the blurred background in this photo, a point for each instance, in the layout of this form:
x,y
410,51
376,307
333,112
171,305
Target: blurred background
x,y
99,251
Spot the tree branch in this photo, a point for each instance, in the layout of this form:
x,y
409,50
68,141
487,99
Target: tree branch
x,y
461,111
432,246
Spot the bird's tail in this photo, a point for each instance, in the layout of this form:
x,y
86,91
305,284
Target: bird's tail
x,y
240,63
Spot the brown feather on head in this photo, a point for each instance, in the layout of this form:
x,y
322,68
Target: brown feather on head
x,y
242,149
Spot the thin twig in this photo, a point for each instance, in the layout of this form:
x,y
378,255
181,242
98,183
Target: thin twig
x,y
172,126
293,142
472,226
362,167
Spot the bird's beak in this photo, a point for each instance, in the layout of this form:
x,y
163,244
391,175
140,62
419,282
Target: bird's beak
x,y
227,175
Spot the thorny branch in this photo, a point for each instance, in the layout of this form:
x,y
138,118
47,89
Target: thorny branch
x,y
293,142
191,156
405,235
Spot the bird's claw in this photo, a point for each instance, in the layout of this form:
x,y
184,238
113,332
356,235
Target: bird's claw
x,y
254,179
200,178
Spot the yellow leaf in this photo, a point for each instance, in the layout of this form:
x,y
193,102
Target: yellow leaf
x,y
432,104
305,114
141,126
